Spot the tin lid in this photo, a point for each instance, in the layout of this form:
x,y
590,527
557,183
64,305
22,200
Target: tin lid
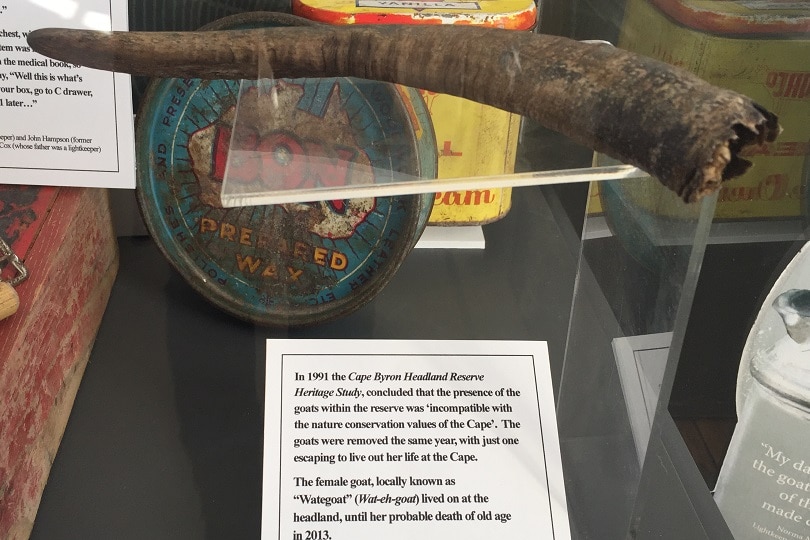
x,y
291,264
508,14
740,17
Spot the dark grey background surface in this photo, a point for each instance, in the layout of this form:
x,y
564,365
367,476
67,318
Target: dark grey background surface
x,y
165,439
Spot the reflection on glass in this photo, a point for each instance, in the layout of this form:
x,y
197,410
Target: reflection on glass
x,y
297,140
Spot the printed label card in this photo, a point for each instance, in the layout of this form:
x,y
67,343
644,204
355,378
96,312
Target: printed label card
x,y
394,439
62,124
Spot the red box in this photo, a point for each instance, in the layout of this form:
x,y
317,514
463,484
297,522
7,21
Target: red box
x,y
65,238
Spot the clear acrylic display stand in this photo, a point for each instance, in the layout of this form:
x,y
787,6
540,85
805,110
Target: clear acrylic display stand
x,y
279,153
634,288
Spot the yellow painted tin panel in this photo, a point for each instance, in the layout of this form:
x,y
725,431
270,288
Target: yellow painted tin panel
x,y
472,139
772,69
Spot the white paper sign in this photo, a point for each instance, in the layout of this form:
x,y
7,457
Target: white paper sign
x,y
62,124
411,439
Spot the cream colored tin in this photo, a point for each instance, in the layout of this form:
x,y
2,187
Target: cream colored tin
x,y
758,48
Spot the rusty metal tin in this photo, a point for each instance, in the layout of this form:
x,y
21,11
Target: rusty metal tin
x,y
290,264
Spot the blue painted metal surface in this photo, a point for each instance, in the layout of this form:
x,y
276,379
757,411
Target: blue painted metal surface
x,y
291,264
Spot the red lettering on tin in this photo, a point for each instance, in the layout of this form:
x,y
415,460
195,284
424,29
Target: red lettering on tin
x,y
773,187
447,150
473,197
280,159
325,169
792,148
779,149
788,84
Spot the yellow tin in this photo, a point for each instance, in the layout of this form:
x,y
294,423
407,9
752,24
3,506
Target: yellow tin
x,y
472,139
760,48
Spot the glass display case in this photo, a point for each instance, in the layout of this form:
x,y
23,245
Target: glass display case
x,y
646,303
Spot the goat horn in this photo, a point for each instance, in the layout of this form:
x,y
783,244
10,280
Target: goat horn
x,y
660,118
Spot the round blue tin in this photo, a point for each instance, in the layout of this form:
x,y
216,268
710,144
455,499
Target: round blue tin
x,y
288,264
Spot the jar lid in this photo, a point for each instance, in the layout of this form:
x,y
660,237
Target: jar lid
x,y
785,368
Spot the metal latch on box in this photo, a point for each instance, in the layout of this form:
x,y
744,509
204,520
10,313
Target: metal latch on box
x,y
9,300
7,257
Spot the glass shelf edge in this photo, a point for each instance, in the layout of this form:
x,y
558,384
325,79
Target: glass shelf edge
x,y
561,176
